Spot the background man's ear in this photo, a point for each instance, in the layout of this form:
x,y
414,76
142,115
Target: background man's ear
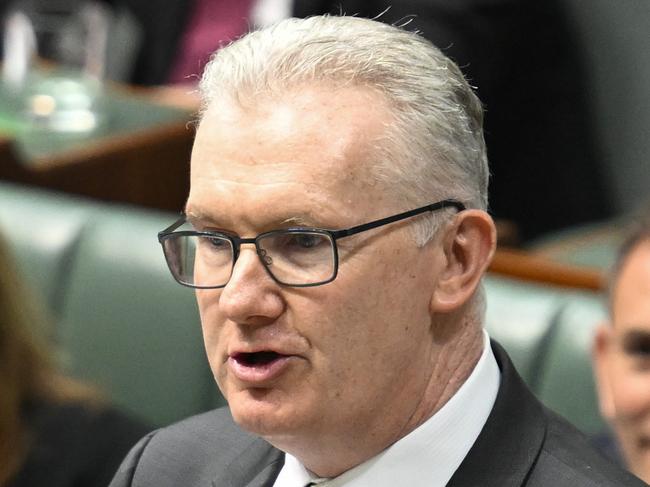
x,y
601,356
468,247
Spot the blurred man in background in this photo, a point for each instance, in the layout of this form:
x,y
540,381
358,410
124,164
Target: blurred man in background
x,y
622,352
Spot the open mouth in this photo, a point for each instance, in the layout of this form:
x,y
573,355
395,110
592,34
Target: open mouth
x,y
257,359
259,367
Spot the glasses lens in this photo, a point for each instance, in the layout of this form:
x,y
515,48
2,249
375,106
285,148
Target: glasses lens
x,y
199,261
298,258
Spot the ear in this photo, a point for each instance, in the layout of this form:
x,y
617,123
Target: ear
x,y
601,357
468,246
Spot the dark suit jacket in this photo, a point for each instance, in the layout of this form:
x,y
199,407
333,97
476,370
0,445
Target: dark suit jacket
x,y
522,443
606,443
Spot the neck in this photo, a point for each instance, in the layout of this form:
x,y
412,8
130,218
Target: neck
x,y
457,348
453,365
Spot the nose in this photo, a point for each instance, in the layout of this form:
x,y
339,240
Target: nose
x,y
251,295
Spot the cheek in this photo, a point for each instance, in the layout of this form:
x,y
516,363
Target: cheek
x,y
369,332
211,320
631,391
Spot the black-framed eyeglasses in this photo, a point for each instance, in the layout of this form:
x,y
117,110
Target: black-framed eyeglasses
x,y
297,257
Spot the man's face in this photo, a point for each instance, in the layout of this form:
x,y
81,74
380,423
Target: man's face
x,y
352,357
625,361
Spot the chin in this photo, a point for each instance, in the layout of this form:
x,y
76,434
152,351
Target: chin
x,y
259,412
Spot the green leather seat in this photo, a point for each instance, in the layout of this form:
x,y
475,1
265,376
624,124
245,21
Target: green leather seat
x,y
128,326
121,322
520,316
548,332
42,230
566,381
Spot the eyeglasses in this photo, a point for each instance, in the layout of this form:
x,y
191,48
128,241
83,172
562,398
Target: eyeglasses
x,y
297,257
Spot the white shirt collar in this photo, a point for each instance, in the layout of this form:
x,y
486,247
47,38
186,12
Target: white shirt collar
x,y
431,453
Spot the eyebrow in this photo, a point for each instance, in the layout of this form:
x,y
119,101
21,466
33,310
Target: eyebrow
x,y
297,220
637,334
194,215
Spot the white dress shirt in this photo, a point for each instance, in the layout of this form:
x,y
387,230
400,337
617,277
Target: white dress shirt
x,y
430,454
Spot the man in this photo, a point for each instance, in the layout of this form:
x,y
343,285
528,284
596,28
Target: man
x,y
336,234
622,352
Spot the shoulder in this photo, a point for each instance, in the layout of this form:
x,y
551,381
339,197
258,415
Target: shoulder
x,y
215,426
606,443
194,451
568,458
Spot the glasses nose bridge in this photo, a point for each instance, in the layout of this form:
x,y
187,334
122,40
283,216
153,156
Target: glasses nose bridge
x,y
258,250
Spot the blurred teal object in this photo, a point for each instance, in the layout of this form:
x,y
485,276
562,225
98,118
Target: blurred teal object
x,y
63,102
53,93
53,65
91,113
593,245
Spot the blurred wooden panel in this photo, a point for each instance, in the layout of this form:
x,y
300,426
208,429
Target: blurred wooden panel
x,y
524,265
148,167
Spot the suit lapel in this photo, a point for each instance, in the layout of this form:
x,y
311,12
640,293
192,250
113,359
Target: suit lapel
x,y
511,439
256,465
267,476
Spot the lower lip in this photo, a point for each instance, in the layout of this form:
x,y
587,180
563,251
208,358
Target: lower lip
x,y
259,373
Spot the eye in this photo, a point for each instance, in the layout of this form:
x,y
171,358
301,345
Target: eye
x,y
304,240
297,246
637,344
215,244
218,243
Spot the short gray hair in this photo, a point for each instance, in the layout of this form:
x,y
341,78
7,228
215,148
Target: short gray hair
x,y
435,148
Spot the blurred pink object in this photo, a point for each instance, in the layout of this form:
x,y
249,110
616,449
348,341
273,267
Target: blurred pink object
x,y
213,22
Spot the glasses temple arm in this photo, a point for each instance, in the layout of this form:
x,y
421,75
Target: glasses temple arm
x,y
172,227
400,216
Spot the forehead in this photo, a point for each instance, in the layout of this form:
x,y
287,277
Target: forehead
x,y
309,150
631,303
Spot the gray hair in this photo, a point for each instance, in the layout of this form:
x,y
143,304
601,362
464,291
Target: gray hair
x,y
435,147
